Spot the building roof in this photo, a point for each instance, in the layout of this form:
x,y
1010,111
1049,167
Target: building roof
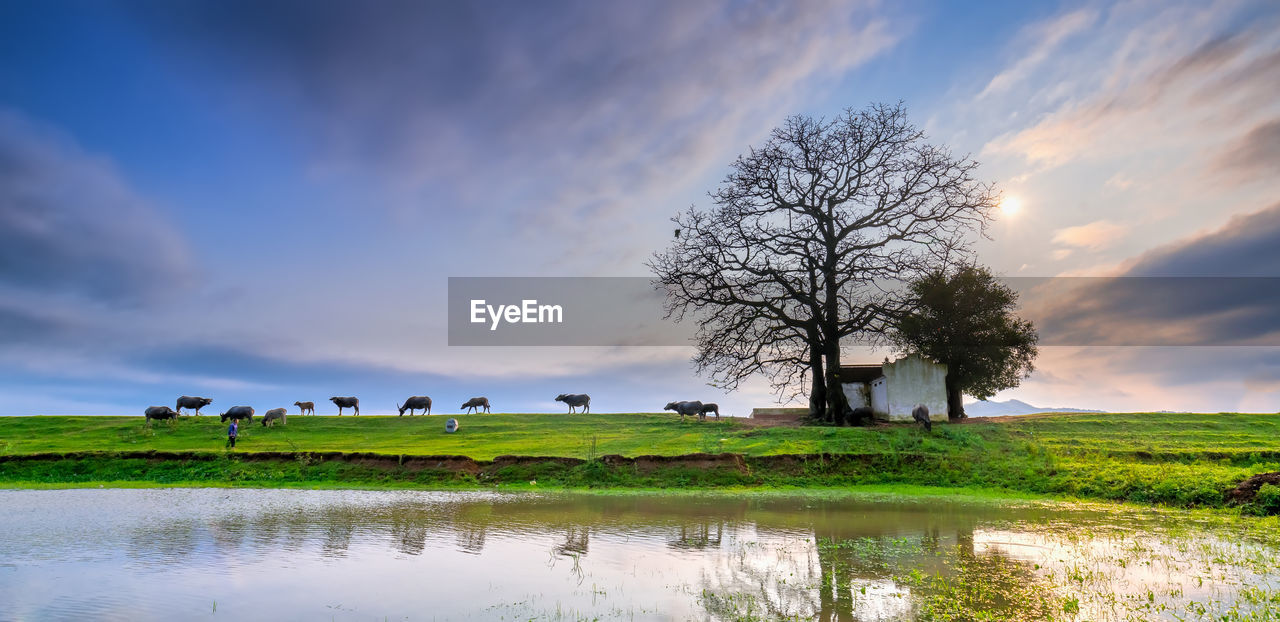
x,y
860,373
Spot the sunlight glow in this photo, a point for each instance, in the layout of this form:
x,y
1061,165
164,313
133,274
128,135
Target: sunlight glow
x,y
1010,206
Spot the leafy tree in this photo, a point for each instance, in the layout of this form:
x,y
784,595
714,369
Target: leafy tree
x,y
788,263
966,319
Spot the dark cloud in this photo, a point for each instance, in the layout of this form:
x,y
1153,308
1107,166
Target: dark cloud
x,y
1254,155
1210,63
1207,59
1248,245
551,116
1218,288
20,327
69,224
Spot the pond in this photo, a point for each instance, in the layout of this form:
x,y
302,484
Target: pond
x,y
164,554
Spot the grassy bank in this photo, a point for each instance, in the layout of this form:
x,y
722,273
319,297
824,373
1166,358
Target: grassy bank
x,y
1175,459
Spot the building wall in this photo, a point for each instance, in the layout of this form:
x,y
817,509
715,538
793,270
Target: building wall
x,y
909,381
856,393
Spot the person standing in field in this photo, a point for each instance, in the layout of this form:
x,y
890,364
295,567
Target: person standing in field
x,y
232,431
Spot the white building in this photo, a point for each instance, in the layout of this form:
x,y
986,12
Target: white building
x,y
892,389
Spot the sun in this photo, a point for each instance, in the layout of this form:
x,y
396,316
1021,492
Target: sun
x,y
1010,206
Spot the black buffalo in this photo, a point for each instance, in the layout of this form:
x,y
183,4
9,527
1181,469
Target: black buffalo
x,y
417,402
576,400
686,408
237,413
921,415
346,402
161,413
477,403
195,403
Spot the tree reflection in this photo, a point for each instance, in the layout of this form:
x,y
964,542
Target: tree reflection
x,y
698,535
766,557
881,574
470,538
576,540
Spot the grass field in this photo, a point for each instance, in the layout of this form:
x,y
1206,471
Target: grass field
x,y
1176,459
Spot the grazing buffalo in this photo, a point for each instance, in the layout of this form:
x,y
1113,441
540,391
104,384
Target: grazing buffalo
x,y
477,403
270,417
576,400
305,407
196,403
710,407
160,412
862,414
346,402
417,402
237,413
921,414
686,408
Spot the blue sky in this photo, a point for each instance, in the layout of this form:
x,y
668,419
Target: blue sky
x,y
262,201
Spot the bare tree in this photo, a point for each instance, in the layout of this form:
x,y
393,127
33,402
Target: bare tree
x,y
804,231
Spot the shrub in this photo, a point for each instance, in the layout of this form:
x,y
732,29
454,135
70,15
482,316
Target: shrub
x,y
1267,501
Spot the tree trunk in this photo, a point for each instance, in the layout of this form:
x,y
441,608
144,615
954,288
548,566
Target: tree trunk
x,y
818,394
955,400
837,403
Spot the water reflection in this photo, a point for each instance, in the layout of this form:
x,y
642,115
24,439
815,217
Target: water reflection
x,y
375,555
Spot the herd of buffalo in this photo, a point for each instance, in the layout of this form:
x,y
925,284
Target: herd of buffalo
x,y
476,404
416,402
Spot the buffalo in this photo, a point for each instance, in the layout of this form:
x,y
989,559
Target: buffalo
x,y
576,400
270,417
921,414
196,403
305,407
710,407
417,402
346,402
161,413
237,413
686,408
477,403
862,414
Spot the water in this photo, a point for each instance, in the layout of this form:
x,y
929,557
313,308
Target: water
x,y
165,554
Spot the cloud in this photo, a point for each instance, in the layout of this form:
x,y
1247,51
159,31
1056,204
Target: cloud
x,y
1146,379
1094,236
20,326
1185,72
69,224
1216,288
1049,36
1245,246
1120,182
528,121
1254,155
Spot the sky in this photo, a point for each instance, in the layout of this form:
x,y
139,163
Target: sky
x,y
262,202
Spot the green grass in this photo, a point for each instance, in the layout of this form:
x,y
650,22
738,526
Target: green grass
x,y
481,436
1175,459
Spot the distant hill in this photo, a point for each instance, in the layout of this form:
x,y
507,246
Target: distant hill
x,y
1014,407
